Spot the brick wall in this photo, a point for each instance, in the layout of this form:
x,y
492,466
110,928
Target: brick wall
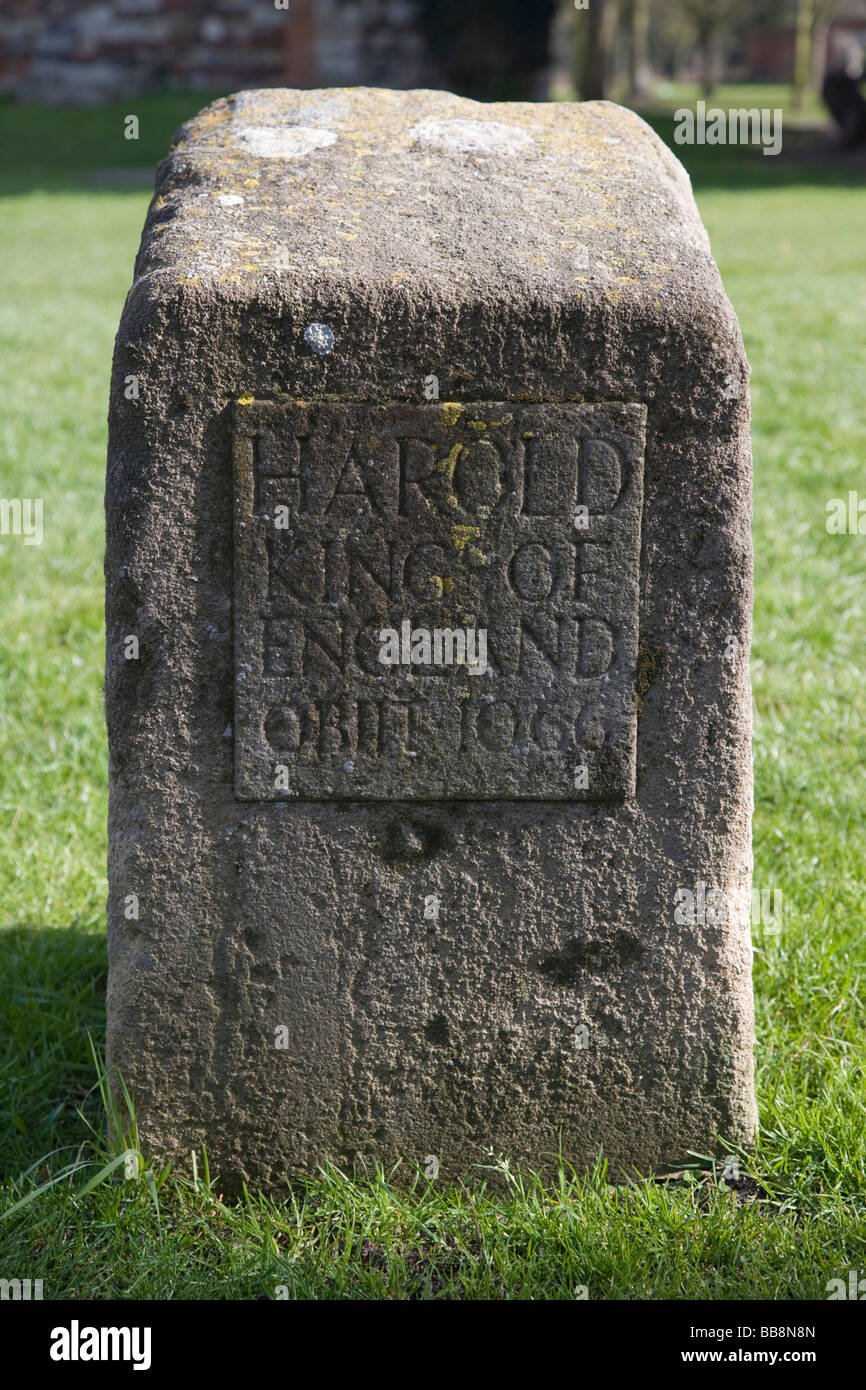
x,y
84,51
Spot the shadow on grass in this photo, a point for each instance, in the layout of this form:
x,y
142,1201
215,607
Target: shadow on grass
x,y
808,158
52,999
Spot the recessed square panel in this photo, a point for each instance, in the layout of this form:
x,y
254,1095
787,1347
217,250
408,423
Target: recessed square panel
x,y
436,601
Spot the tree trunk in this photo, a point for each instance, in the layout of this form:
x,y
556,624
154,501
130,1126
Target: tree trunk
x,y
599,21
803,52
638,49
707,47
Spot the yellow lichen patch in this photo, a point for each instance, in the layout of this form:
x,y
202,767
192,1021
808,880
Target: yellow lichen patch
x,y
246,399
461,535
477,424
447,466
451,413
475,556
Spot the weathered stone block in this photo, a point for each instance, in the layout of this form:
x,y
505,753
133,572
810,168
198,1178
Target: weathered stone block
x,y
398,370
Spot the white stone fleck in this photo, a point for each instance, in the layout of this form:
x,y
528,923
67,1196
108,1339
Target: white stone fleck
x,y
483,137
282,142
320,337
230,200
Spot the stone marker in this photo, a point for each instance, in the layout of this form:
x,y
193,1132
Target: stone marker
x,y
428,590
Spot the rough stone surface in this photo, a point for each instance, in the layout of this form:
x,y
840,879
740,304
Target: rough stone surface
x,y
469,950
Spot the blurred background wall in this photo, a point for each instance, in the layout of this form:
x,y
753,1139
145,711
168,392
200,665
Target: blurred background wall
x,y
86,52
77,51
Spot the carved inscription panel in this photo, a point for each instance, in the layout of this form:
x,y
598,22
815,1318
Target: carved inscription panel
x,y
436,601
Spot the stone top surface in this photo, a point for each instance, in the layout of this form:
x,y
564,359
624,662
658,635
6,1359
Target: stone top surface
x,y
427,191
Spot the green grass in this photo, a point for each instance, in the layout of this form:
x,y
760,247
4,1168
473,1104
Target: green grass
x,y
664,98
789,242
667,97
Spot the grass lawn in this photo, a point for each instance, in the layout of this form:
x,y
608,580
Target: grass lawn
x,y
664,98
669,96
789,240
